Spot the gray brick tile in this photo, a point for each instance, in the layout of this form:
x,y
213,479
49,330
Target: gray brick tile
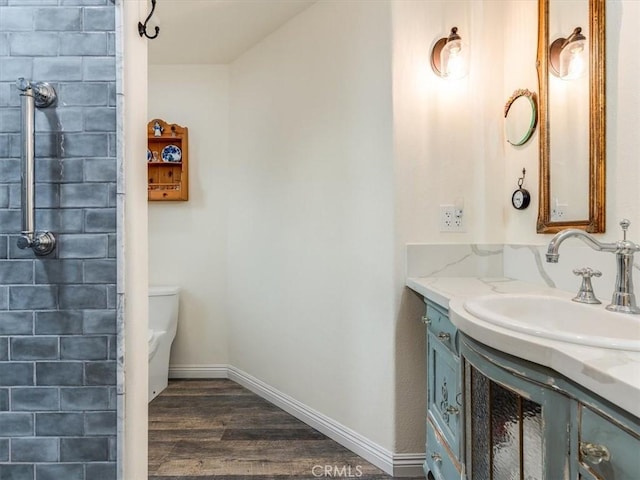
x,y
99,19
4,196
99,68
84,195
83,44
4,349
16,19
58,19
112,296
62,119
4,46
83,348
99,321
47,195
10,121
16,424
34,449
111,43
100,423
4,450
40,297
4,298
100,119
59,373
86,145
16,472
100,271
82,246
34,348
4,399
3,247
112,94
32,3
100,170
4,139
83,297
84,94
61,471
84,449
10,221
34,399
14,68
58,271
100,373
60,322
84,398
17,272
85,2
33,44
101,471
112,195
100,220
48,144
58,68
113,246
59,170
113,350
59,424
16,374
60,221
15,147
16,323
10,170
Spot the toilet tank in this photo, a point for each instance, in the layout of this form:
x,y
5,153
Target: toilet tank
x,y
163,308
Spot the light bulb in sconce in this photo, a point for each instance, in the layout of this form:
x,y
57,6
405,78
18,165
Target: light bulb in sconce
x,y
568,56
450,56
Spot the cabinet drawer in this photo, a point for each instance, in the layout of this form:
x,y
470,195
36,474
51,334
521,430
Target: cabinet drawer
x,y
623,448
440,461
442,328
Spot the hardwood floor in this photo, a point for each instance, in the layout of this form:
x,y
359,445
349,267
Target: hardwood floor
x,y
216,429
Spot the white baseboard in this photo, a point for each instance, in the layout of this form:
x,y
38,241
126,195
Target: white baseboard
x,y
198,371
398,465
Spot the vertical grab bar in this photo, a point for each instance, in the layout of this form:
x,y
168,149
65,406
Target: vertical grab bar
x,y
39,95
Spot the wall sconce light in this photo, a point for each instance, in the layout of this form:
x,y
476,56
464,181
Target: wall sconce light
x,y
450,57
567,56
142,28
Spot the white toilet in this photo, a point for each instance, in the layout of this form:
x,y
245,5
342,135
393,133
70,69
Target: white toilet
x,y
163,322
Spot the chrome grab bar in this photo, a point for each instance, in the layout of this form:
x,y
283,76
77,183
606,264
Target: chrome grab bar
x,y
39,95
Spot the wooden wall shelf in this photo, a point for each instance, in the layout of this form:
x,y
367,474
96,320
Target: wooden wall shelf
x,y
167,180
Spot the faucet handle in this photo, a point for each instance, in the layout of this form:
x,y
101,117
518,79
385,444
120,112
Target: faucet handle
x,y
624,223
585,294
587,272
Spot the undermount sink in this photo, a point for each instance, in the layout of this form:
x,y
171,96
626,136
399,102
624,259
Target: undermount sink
x,y
559,319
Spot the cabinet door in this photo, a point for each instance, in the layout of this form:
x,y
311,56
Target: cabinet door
x,y
444,391
514,429
606,451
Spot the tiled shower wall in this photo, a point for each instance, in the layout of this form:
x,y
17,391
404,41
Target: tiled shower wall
x,y
58,313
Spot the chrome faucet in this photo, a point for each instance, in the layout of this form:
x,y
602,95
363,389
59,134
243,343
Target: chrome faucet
x,y
623,299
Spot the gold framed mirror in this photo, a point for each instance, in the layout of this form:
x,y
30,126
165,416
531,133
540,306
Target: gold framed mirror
x,y
572,118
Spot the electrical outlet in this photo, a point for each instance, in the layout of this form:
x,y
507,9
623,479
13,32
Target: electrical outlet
x,y
559,211
451,219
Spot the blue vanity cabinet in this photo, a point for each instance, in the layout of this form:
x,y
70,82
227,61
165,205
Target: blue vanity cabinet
x,y
444,396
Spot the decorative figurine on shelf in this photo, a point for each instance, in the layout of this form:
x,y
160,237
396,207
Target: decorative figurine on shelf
x,y
157,130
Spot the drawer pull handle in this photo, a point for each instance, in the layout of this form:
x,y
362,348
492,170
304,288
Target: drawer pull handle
x,y
451,410
444,336
593,453
436,457
426,320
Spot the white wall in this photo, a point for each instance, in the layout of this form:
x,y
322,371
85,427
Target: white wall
x,y
311,220
188,240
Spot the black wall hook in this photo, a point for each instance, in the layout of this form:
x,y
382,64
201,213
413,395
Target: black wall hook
x,y
142,29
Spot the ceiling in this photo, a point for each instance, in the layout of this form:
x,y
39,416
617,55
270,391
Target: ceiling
x,y
215,31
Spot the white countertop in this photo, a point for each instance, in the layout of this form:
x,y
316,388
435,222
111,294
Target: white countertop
x,y
612,374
